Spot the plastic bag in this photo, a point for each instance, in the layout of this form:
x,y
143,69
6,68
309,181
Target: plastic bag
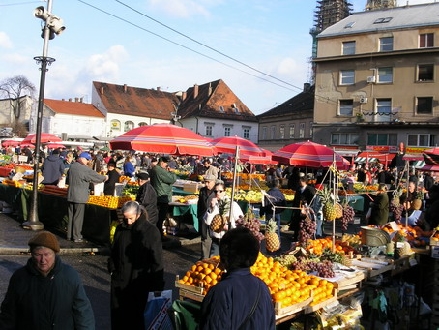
x,y
369,213
156,311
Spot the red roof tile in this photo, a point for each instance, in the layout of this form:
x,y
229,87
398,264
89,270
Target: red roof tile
x,y
123,99
74,108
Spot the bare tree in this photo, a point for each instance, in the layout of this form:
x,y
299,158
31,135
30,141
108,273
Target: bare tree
x,y
14,88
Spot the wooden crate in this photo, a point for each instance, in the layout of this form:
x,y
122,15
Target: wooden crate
x,y
189,291
348,282
292,309
311,309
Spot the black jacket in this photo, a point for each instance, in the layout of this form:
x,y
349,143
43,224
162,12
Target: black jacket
x,y
55,302
136,268
147,196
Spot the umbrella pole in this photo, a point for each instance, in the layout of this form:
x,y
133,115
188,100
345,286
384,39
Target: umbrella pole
x,y
233,186
334,187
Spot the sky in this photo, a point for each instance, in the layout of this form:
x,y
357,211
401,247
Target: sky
x,y
260,49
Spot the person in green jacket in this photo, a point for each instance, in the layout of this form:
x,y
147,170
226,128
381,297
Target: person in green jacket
x,y
46,294
162,179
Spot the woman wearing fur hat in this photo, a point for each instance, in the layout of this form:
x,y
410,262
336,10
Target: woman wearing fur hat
x,y
46,293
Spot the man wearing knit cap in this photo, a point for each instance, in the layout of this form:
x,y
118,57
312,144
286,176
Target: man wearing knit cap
x,y
46,293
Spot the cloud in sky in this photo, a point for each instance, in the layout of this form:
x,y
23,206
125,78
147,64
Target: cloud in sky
x,y
5,41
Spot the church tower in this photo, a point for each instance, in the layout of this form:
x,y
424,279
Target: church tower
x,y
380,4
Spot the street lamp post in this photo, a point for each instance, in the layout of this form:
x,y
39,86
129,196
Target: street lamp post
x,y
52,25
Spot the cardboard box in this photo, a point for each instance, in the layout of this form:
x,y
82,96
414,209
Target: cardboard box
x,y
98,189
191,187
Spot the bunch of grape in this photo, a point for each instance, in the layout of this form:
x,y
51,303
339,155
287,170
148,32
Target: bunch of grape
x,y
286,260
396,209
253,224
307,231
348,216
321,268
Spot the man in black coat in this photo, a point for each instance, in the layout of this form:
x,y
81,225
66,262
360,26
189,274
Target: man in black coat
x,y
304,194
204,200
147,197
113,178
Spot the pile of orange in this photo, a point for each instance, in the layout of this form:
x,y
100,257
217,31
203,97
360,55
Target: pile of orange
x,y
317,246
205,274
287,287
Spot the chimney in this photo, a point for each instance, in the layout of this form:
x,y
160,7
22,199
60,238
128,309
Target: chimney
x,y
81,100
195,91
76,99
125,88
183,96
159,88
62,99
306,87
70,99
210,90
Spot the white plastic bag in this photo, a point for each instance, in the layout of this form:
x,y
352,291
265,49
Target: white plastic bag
x,y
156,311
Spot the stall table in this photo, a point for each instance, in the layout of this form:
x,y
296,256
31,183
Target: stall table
x,y
186,212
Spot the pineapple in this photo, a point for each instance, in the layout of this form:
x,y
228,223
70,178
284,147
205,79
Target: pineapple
x,y
218,223
329,208
272,243
338,210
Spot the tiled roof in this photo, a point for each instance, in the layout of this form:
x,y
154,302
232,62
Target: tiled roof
x,y
74,108
214,100
123,99
300,103
395,18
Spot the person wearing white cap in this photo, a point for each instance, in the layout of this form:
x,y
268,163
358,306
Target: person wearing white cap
x,y
79,178
46,293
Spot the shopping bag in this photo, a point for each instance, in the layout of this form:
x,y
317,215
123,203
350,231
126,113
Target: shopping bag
x,y
156,311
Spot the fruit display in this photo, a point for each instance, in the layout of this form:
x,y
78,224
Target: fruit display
x,y
306,232
287,287
12,183
347,217
111,202
272,243
255,195
54,190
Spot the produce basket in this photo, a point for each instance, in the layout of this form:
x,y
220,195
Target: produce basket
x,y
374,236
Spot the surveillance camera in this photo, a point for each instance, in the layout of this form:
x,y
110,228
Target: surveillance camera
x,y
40,12
56,24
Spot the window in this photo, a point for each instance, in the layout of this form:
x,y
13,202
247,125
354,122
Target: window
x,y
209,130
292,129
421,140
221,108
246,131
386,44
142,124
344,138
383,110
227,131
382,20
310,129
424,105
347,77
302,130
385,75
349,25
282,132
264,133
129,125
273,132
381,139
348,48
425,72
345,107
426,40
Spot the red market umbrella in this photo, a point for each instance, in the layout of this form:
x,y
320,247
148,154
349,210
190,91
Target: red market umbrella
x,y
55,145
163,139
10,143
27,145
309,154
45,138
258,160
228,144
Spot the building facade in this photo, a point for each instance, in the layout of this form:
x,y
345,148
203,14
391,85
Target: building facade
x,y
377,80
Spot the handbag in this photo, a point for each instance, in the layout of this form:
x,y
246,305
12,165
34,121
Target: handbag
x,y
156,311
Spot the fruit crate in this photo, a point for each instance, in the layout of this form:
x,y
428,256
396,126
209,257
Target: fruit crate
x,y
189,291
348,281
292,309
311,309
434,240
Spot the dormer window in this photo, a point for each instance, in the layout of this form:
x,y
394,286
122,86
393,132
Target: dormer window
x,y
221,108
234,106
349,25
